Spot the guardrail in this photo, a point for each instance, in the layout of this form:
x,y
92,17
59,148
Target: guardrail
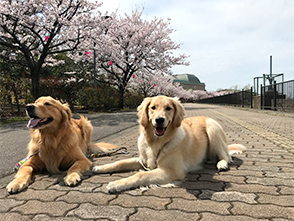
x,y
243,98
278,96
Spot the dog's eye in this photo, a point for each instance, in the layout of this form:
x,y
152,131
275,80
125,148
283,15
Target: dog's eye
x,y
168,108
47,104
153,108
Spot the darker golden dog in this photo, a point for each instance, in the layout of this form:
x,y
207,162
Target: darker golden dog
x,y
170,146
58,142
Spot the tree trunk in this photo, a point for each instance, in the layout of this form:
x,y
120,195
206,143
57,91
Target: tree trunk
x,y
35,75
121,91
14,89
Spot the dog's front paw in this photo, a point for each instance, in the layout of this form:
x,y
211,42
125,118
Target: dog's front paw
x,y
118,186
222,165
72,179
97,169
100,169
17,185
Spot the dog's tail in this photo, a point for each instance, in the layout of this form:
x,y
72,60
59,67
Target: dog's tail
x,y
236,149
98,147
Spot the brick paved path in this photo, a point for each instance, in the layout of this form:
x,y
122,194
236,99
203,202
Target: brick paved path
x,y
258,186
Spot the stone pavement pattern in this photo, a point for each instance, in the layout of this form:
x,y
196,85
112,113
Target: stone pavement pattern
x,y
258,186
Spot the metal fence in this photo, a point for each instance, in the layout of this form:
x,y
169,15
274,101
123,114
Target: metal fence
x,y
278,96
243,98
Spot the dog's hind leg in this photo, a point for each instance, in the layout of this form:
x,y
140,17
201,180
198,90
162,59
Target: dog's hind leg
x,y
98,147
217,144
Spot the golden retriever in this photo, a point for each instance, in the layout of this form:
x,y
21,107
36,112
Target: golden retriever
x,y
170,146
59,141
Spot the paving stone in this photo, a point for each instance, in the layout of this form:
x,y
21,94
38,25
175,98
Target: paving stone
x,y
199,206
83,187
227,196
286,190
281,219
223,177
242,173
262,211
206,194
280,175
259,168
287,200
50,208
43,195
89,211
152,202
3,193
252,188
48,218
104,178
145,214
80,197
214,217
7,204
200,185
271,181
14,216
172,192
41,185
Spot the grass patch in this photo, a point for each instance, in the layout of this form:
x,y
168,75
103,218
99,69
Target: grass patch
x,y
14,119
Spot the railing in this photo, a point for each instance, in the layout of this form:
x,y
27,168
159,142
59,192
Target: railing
x,y
278,96
243,98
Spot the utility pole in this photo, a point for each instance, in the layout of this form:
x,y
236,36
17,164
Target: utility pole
x,y
94,83
271,71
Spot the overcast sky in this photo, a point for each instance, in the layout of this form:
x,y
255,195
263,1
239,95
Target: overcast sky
x,y
229,41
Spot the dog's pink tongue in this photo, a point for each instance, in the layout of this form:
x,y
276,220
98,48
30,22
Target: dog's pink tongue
x,y
33,122
159,131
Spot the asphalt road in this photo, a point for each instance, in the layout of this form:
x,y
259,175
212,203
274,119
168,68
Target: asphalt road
x,y
14,137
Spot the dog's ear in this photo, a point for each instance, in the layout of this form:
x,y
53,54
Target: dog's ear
x,y
143,112
66,113
179,112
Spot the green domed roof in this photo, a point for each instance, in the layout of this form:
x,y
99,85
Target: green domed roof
x,y
187,79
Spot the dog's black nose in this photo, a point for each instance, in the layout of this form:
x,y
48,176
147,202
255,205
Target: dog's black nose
x,y
159,120
30,107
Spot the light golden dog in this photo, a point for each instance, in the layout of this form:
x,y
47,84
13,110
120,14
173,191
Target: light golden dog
x,y
170,146
60,143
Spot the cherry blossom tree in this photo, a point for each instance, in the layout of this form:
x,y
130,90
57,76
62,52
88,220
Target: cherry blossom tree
x,y
132,44
158,84
34,30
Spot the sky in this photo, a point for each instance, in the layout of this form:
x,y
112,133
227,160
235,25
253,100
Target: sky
x,y
229,41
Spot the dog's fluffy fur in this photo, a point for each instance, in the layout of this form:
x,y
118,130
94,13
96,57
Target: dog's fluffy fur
x,y
62,143
170,146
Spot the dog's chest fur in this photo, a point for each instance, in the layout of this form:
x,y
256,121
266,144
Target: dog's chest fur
x,y
150,153
53,151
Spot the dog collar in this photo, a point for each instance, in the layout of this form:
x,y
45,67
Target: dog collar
x,y
142,164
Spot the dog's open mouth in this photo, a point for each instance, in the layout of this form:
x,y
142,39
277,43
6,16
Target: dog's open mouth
x,y
159,131
36,122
